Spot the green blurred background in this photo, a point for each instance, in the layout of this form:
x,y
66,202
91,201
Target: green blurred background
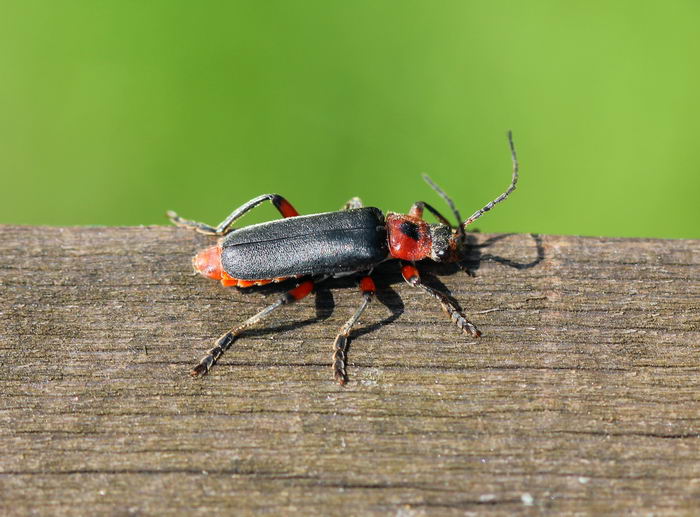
x,y
113,111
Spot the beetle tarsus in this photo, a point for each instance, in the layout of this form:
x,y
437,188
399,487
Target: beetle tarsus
x,y
340,345
339,357
222,344
199,370
412,276
452,311
192,225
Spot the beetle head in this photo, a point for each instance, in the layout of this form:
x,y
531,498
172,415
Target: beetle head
x,y
446,243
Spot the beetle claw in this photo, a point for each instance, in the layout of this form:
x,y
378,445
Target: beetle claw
x,y
198,371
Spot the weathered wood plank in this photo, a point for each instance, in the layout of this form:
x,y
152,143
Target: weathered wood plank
x,y
581,397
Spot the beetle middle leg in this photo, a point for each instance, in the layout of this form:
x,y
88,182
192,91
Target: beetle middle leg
x,y
340,344
225,341
412,276
285,208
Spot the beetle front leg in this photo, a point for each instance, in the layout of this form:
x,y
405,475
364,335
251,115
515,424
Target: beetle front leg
x,y
412,276
226,340
285,208
417,211
340,344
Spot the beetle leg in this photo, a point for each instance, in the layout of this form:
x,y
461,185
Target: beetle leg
x,y
417,211
352,203
412,276
281,204
340,344
225,341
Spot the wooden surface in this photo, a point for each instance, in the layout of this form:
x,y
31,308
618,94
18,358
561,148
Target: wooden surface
x,y
581,397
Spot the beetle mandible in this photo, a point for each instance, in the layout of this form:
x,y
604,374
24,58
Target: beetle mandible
x,y
312,248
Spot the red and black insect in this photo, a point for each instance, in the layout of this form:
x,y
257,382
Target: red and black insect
x,y
312,248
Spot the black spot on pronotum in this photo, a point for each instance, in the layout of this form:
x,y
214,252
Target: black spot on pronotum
x,y
410,230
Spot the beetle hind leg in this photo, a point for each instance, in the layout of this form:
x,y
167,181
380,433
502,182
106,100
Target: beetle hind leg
x,y
226,340
411,275
284,207
340,344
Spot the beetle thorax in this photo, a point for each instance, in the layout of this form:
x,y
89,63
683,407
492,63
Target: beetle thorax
x,y
411,238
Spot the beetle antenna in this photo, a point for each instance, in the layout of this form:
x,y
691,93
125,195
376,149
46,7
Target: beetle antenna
x,y
503,196
449,201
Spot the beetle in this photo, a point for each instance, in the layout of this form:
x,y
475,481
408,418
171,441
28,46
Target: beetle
x,y
312,248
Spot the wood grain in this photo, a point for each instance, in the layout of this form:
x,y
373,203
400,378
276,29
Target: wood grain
x,y
580,398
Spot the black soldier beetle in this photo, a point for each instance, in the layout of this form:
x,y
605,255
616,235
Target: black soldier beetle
x,y
312,248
